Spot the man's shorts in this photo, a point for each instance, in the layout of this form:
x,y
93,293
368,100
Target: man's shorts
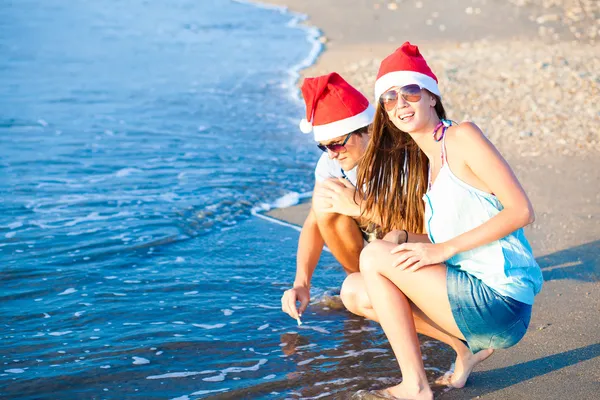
x,y
370,231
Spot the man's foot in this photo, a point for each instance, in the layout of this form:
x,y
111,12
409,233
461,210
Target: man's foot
x,y
457,378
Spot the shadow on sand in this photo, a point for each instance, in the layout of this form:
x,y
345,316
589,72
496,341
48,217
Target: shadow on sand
x,y
579,263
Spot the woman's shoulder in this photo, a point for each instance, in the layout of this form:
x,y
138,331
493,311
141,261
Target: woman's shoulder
x,y
464,130
464,139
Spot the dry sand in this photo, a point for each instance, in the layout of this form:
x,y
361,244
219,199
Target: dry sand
x,y
528,73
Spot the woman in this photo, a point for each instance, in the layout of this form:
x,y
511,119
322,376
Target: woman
x,y
470,281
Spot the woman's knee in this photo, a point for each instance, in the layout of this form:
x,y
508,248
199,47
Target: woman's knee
x,y
369,257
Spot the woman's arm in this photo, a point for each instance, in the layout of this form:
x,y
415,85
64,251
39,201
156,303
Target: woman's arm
x,y
403,236
492,169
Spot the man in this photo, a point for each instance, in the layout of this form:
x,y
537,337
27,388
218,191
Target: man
x,y
339,117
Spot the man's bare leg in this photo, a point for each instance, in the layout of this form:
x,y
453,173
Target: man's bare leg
x,y
343,237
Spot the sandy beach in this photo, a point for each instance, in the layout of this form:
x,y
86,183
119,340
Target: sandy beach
x,y
528,73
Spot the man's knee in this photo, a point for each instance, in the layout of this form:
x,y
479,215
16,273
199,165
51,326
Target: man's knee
x,y
327,218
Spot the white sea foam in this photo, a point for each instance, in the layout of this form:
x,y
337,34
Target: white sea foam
x,y
318,396
268,307
180,374
126,172
140,361
216,378
206,326
60,333
340,381
201,392
227,312
68,291
269,376
190,293
363,329
94,216
316,328
255,367
15,370
265,326
306,346
358,353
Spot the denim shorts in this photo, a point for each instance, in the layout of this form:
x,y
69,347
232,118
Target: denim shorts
x,y
486,319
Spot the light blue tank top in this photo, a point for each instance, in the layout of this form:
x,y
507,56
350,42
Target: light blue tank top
x,y
453,207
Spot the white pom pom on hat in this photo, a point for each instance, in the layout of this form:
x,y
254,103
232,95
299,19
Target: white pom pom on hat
x,y
333,107
305,126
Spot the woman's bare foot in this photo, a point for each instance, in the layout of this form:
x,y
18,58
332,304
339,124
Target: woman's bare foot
x,y
403,392
462,369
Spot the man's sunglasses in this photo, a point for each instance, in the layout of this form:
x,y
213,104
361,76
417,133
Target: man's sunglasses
x,y
410,93
335,147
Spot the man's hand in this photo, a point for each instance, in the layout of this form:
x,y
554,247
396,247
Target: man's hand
x,y
291,296
336,195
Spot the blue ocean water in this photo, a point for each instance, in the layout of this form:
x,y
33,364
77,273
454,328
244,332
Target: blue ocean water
x,y
136,138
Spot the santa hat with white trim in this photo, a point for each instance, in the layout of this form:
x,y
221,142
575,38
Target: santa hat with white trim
x,y
333,107
403,67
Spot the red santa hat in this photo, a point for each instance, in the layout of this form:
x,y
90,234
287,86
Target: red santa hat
x,y
403,67
333,107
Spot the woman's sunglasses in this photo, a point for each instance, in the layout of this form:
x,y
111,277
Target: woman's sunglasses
x,y
335,147
410,93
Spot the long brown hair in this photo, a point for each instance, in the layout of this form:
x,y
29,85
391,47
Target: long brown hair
x,y
392,175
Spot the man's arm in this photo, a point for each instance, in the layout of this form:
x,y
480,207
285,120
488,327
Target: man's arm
x,y
310,247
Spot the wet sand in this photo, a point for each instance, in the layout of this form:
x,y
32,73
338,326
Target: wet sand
x,y
528,73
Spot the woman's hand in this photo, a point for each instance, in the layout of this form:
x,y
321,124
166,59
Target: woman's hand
x,y
413,256
336,196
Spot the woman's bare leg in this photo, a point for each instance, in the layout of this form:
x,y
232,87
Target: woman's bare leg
x,y
394,293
